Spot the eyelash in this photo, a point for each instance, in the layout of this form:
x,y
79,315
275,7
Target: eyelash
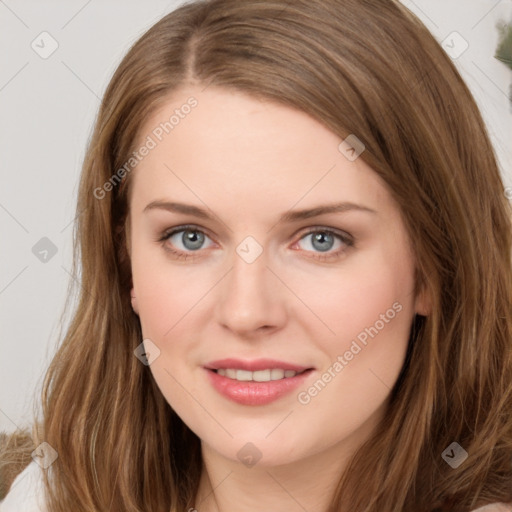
x,y
345,239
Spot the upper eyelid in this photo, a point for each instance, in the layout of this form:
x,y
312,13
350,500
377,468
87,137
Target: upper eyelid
x,y
172,231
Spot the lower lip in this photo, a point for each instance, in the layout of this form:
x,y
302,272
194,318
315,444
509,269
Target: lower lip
x,y
255,393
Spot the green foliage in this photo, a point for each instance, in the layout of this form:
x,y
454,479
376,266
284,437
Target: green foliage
x,y
504,49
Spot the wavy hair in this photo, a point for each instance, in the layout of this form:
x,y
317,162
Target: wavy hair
x,y
363,67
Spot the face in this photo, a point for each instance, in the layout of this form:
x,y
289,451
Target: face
x,y
279,328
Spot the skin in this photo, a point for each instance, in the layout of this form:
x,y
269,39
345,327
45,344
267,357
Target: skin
x,y
247,162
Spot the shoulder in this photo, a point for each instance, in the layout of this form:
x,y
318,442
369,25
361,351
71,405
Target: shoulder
x,y
495,507
26,492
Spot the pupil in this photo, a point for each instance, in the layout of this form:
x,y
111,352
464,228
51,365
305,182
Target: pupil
x,y
192,239
322,238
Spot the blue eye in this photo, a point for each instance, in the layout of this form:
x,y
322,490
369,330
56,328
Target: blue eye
x,y
190,237
323,240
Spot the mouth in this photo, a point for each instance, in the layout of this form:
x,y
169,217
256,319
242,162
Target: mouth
x,y
267,375
257,382
255,365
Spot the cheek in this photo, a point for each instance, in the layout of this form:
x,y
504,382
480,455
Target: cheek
x,y
371,317
368,293
368,306
165,291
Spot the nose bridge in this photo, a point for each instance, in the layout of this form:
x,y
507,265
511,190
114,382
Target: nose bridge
x,y
250,296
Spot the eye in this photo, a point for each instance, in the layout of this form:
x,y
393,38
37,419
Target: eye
x,y
187,239
323,240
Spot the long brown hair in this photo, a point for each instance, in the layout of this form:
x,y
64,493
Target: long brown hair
x,y
363,67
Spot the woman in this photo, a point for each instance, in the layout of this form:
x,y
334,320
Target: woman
x,y
296,276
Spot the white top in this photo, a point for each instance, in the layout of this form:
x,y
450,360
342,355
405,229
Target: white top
x,y
27,491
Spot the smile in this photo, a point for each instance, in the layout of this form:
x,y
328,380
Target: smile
x,y
256,382
267,375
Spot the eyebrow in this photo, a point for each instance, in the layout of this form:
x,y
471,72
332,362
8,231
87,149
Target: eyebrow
x,y
290,216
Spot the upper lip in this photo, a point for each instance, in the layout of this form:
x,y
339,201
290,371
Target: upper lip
x,y
254,365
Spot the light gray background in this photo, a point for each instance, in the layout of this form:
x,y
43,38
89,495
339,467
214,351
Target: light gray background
x,y
47,109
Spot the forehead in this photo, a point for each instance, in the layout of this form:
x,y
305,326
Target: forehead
x,y
233,148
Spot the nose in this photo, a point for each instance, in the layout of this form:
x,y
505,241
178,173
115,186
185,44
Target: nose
x,y
251,299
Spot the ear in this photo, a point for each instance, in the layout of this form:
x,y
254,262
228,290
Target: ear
x,y
134,302
423,302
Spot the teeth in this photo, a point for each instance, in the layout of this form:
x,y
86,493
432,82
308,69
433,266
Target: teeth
x,y
243,375
276,374
231,374
257,376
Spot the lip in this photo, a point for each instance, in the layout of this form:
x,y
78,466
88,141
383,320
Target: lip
x,y
250,392
254,365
